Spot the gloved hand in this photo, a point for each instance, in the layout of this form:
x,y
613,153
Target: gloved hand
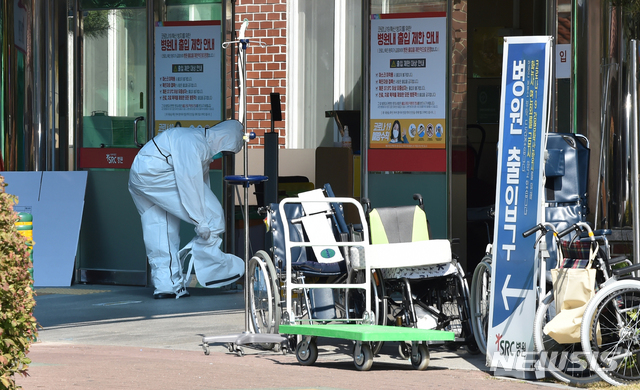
x,y
203,231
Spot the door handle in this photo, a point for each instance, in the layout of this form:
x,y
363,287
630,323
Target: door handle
x,y
135,131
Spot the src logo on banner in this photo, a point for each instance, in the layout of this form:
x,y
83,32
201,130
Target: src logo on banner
x,y
113,158
510,348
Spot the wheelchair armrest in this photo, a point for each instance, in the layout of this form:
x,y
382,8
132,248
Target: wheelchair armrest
x,y
455,241
618,260
626,270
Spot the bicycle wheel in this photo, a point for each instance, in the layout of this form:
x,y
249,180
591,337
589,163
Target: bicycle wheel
x,y
611,335
264,302
565,362
479,302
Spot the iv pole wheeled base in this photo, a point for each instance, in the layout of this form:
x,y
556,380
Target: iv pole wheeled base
x,y
235,342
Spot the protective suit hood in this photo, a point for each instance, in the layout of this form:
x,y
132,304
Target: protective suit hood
x,y
225,137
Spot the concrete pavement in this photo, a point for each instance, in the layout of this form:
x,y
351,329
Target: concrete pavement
x,y
119,337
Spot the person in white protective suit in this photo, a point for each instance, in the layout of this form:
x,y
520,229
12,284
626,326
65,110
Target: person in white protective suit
x,y
169,181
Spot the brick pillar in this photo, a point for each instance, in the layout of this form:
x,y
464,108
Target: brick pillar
x,y
266,66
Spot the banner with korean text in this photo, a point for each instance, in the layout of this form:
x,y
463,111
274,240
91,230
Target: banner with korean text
x,y
519,206
408,80
188,75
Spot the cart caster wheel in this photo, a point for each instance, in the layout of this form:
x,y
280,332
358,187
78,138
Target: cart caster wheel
x,y
284,348
420,358
206,350
240,351
363,360
405,350
306,352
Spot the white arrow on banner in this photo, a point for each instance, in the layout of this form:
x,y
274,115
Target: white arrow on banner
x,y
509,292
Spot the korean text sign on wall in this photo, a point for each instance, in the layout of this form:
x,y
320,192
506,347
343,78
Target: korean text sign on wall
x,y
408,80
188,79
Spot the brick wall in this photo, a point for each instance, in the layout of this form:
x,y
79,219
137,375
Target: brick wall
x,y
266,66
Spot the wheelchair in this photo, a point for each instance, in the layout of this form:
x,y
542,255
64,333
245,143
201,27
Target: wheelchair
x,y
565,361
424,287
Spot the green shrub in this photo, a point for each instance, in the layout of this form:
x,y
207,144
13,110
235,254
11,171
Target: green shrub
x,y
18,327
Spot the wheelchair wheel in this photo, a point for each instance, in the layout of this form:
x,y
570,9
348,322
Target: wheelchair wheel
x,y
479,300
611,336
263,295
459,312
565,362
404,349
464,307
355,301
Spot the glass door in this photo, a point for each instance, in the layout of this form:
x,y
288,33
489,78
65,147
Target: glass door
x,y
114,84
111,109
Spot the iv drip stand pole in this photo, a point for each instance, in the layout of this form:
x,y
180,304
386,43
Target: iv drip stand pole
x,y
247,337
243,47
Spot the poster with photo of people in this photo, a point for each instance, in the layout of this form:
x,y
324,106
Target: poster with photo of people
x,y
408,81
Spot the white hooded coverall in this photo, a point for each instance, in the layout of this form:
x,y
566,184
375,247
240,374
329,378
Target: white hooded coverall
x,y
169,181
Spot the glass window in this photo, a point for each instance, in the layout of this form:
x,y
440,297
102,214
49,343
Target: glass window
x,y
110,4
402,6
114,76
191,2
324,59
191,10
311,58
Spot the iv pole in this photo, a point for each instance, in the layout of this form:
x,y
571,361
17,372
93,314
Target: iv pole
x,y
235,341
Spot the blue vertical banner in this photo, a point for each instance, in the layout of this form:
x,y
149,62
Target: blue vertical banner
x,y
524,112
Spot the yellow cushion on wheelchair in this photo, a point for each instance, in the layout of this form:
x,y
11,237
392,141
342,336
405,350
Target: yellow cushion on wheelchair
x,y
419,230
378,235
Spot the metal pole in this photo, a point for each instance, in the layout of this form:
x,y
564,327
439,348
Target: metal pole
x,y
634,150
364,118
150,120
243,46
